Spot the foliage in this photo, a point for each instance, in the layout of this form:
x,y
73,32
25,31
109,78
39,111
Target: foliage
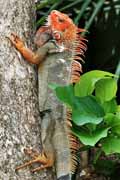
x,y
86,9
106,167
95,112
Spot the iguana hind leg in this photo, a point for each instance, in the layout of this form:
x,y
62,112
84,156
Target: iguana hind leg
x,y
42,158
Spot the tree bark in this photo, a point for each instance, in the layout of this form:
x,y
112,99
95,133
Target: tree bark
x,y
19,111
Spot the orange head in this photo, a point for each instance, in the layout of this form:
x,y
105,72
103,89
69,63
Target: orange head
x,y
62,26
60,21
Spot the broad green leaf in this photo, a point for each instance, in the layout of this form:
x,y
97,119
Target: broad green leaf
x,y
86,110
113,121
109,119
105,89
111,145
88,80
65,94
116,128
88,138
91,126
85,118
110,106
118,108
118,114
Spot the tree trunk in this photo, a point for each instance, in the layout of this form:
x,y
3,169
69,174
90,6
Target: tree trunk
x,y
19,112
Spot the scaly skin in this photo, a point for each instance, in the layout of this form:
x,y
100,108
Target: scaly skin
x,y
70,38
59,145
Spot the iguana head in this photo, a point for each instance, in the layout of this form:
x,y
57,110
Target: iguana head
x,y
59,27
60,21
62,26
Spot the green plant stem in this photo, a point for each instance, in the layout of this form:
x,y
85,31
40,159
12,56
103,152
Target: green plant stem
x,y
84,148
71,5
97,155
45,3
117,72
83,8
44,17
88,24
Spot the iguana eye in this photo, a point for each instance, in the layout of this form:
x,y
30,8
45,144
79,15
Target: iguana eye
x,y
61,20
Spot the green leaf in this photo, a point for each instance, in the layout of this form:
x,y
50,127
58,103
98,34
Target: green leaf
x,y
109,118
70,5
84,118
82,10
86,110
91,138
113,120
110,106
105,89
118,108
64,93
87,82
111,145
96,10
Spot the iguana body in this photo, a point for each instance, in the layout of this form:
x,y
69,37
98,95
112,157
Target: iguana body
x,y
59,145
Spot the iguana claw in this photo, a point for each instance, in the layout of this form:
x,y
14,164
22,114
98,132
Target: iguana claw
x,y
36,158
16,41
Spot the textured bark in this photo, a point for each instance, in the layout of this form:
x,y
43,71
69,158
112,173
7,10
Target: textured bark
x,y
19,114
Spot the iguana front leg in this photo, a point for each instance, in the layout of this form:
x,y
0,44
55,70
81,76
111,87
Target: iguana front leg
x,y
33,57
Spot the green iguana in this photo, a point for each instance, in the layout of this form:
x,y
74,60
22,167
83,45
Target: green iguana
x,y
59,46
